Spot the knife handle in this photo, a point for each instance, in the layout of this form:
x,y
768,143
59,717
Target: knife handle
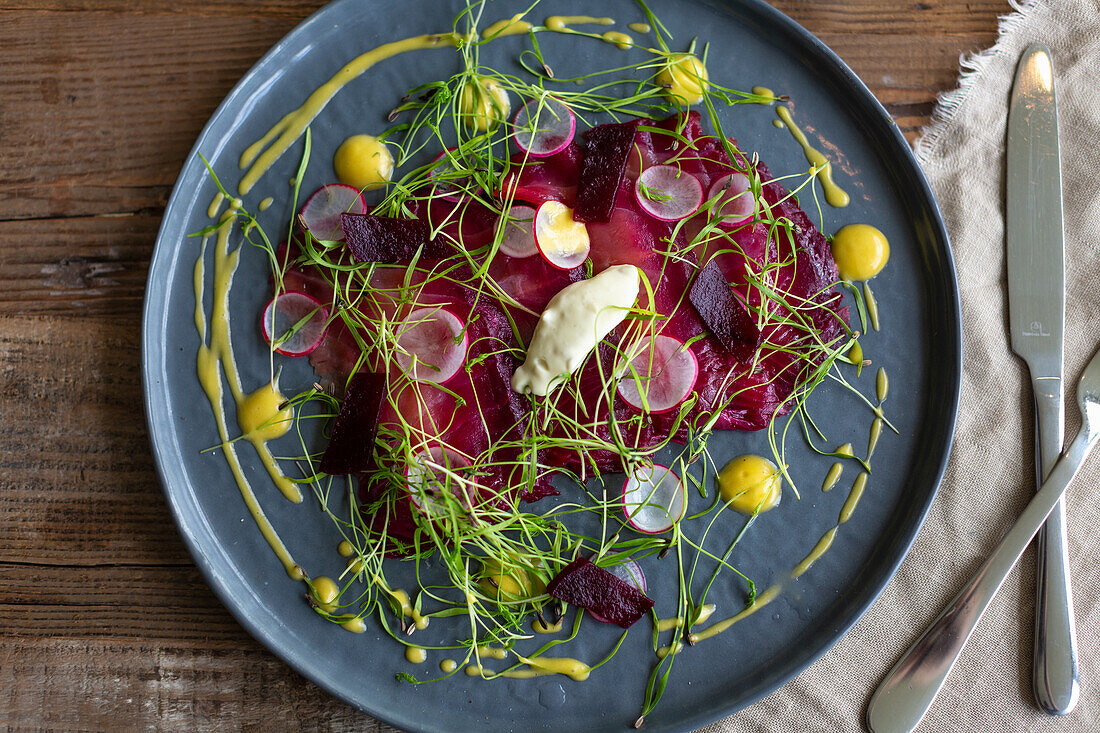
x,y
1054,671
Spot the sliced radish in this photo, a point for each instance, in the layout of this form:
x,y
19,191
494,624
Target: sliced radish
x,y
562,240
668,193
653,499
294,323
544,127
627,571
665,372
322,210
519,232
428,475
736,203
432,344
446,187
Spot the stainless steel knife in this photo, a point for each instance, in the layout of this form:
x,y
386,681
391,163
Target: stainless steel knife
x,y
1036,307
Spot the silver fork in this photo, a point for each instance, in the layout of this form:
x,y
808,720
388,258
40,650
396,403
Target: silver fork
x,y
909,688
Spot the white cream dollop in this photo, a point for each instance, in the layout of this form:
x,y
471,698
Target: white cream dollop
x,y
575,320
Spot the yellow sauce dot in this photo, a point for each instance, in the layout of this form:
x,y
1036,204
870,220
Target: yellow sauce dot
x,y
363,161
415,655
260,417
448,665
484,103
750,484
683,77
860,251
355,625
507,581
325,591
345,549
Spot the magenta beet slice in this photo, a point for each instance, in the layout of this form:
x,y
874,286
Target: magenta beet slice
x,y
373,238
606,151
721,312
595,589
351,448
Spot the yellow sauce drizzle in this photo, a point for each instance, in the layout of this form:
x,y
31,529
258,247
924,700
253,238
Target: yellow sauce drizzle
x,y
882,384
561,23
856,355
492,652
871,303
363,162
675,622
872,439
639,27
860,251
815,554
750,484
541,628
618,39
448,665
407,609
355,625
507,27
834,194
215,359
765,92
832,476
539,666
266,203
415,654
215,205
260,155
853,497
345,548
761,600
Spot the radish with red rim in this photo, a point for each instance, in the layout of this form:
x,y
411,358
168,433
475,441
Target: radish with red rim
x,y
432,344
519,232
668,193
544,127
736,203
322,210
294,323
430,473
654,499
561,239
661,376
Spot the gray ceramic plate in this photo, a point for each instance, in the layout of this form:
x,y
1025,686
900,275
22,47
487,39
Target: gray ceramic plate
x,y
919,345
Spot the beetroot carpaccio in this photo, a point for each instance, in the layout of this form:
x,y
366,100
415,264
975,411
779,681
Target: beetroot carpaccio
x,y
745,374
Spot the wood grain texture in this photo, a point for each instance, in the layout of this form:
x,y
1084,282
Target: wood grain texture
x,y
105,623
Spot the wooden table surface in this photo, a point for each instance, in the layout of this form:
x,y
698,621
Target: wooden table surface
x,y
105,622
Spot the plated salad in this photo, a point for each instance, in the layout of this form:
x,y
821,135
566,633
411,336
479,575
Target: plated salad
x,y
528,302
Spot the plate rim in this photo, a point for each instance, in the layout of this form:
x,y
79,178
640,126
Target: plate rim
x,y
212,558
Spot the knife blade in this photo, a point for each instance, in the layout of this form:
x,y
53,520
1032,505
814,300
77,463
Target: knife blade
x,y
1036,306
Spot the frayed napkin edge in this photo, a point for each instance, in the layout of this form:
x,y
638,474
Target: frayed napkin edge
x,y
972,65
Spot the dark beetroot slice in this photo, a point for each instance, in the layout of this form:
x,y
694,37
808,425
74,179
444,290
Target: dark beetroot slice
x,y
606,152
722,313
373,238
351,448
594,589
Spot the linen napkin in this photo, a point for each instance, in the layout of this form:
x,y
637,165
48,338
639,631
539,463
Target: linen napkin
x,y
990,476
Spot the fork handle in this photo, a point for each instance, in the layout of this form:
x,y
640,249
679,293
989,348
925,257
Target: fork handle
x,y
907,691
